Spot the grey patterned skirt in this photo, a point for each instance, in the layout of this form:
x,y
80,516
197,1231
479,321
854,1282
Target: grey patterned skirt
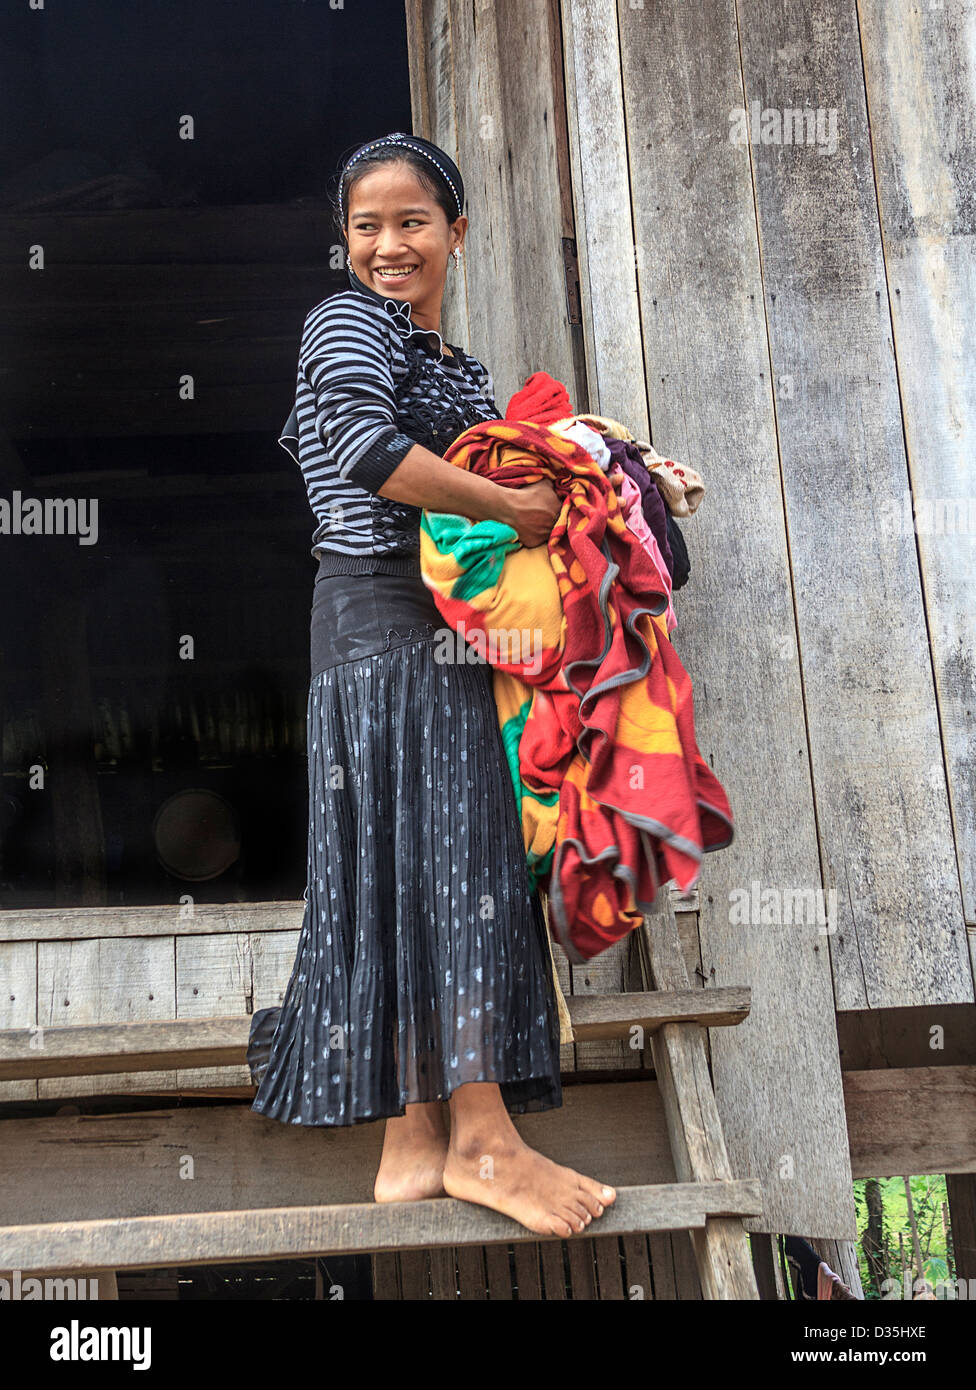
x,y
423,961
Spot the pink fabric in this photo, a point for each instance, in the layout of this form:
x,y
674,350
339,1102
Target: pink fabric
x,y
630,502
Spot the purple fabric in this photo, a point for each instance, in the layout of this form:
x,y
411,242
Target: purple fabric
x,y
626,453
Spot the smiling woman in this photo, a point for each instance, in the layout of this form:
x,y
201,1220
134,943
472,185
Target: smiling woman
x,y
423,973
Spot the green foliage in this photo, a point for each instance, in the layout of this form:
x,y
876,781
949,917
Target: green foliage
x,y
928,1194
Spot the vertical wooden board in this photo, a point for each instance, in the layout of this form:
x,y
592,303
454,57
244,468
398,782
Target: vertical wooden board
x,y
499,1272
551,1253
609,1268
106,980
882,806
472,1279
637,1279
213,980
509,303
920,79
272,960
414,1274
687,1285
18,1003
443,1273
527,1276
611,972
704,343
386,1277
582,1268
662,1267
604,227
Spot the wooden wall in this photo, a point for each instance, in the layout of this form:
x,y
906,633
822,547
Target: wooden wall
x,y
792,320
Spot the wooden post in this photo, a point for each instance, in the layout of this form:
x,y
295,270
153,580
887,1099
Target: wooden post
x,y
722,1247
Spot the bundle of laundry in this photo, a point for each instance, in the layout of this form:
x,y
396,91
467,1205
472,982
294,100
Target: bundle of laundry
x,y
594,704
678,491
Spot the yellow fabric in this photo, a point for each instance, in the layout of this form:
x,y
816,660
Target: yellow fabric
x,y
565,1025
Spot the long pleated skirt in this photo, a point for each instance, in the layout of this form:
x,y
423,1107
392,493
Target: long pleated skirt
x,y
423,961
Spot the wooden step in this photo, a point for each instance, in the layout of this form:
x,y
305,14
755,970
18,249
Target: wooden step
x,y
106,1048
237,1237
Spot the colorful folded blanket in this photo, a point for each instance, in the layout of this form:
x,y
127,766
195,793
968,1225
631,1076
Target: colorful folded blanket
x,y
594,704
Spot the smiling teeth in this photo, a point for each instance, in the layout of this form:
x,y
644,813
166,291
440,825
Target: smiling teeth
x,y
394,274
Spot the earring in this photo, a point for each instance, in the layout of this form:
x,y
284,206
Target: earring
x,y
348,262
456,253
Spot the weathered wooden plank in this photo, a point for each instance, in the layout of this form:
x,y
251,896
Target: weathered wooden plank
x,y
598,154
472,1279
190,919
707,368
638,1282
921,89
609,973
691,1113
224,977
293,1232
554,1270
214,978
386,1277
528,1277
609,1271
882,812
133,1164
18,1003
131,979
469,97
921,1120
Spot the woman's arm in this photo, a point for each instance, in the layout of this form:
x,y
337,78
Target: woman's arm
x,y
424,479
345,356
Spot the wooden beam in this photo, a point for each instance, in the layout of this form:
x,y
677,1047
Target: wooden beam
x,y
234,1237
104,1049
197,919
916,1120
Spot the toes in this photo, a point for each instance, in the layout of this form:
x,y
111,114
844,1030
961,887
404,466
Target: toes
x,y
576,1219
580,1211
592,1204
560,1226
603,1192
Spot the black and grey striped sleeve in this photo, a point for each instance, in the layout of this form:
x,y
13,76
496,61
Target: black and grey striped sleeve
x,y
345,355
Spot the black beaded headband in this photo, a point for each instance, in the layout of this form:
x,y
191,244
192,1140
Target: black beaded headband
x,y
442,162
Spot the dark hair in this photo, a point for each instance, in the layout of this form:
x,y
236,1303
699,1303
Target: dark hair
x,y
393,154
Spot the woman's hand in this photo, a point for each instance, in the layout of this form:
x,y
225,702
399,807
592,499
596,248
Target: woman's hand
x,y
532,511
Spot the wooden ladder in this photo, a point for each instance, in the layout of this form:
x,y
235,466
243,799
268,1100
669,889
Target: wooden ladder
x,y
707,1200
721,1245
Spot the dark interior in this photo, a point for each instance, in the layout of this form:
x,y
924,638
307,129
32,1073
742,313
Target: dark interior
x,y
154,291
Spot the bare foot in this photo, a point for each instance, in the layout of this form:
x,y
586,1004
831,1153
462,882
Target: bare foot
x,y
414,1150
503,1172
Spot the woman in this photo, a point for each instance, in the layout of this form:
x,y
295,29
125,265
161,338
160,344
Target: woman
x,y
423,971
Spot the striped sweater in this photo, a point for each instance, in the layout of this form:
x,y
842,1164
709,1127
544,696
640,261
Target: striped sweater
x,y
370,385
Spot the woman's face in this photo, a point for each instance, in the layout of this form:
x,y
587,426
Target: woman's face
x,y
393,222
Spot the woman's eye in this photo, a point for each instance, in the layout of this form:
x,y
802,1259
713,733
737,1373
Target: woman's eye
x,y
407,221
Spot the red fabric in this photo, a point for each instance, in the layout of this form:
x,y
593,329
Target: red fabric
x,y
542,399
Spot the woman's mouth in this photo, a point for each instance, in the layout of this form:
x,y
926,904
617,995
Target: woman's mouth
x,y
395,275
